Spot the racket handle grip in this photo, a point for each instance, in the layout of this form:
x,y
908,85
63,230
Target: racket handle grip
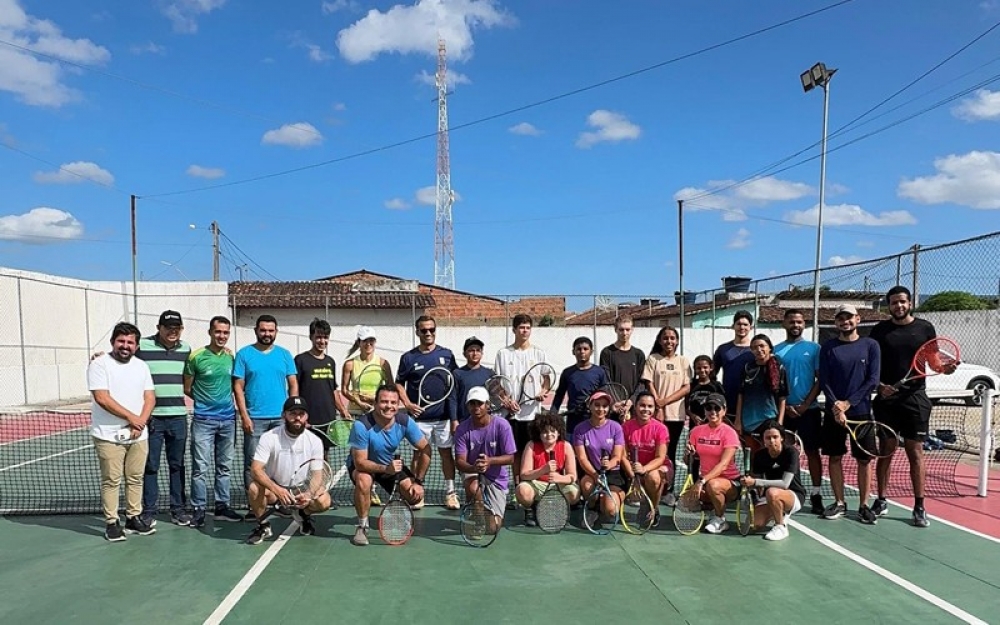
x,y
552,455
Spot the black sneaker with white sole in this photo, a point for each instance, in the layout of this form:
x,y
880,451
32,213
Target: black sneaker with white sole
x,y
198,518
880,507
920,518
113,533
835,510
816,500
179,517
225,513
138,525
259,533
866,515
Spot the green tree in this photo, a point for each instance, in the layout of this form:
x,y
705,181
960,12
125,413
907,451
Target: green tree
x,y
952,300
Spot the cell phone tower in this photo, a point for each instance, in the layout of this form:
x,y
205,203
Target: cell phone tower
x,y
444,242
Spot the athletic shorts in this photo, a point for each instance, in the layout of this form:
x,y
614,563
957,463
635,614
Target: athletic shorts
x,y
796,505
494,497
570,491
437,433
387,482
522,434
835,436
809,427
910,416
617,478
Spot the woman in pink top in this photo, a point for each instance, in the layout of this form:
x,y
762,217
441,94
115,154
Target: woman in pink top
x,y
646,442
716,443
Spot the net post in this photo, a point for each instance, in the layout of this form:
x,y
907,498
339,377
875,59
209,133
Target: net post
x,y
985,441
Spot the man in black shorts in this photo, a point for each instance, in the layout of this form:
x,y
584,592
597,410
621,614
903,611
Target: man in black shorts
x,y
907,410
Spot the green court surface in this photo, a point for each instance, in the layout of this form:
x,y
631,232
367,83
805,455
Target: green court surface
x,y
60,570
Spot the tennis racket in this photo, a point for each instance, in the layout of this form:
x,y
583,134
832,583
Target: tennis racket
x,y
552,508
501,391
395,523
537,382
309,481
932,358
324,438
876,439
744,504
619,395
689,515
366,384
637,519
478,526
435,386
339,431
592,511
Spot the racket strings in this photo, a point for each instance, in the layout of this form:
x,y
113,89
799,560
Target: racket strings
x,y
396,521
552,511
435,386
934,356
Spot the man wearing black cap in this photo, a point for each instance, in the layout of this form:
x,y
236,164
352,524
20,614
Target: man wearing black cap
x,y
166,354
469,376
279,453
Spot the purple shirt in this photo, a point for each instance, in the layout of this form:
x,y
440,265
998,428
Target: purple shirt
x,y
495,439
599,441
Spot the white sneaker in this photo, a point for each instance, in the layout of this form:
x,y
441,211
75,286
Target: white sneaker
x,y
778,532
417,506
451,501
717,525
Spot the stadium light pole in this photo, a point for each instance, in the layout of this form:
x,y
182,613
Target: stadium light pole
x,y
819,75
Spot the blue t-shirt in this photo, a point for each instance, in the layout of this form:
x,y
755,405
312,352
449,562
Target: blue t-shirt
x,y
265,375
381,443
465,378
731,360
413,365
801,360
496,439
760,403
577,385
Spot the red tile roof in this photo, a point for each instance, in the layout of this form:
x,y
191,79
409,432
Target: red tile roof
x,y
319,294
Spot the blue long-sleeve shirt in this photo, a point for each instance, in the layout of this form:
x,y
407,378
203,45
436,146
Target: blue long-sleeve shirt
x,y
576,385
849,371
465,378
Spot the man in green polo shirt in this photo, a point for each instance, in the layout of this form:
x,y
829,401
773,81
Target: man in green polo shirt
x,y
166,354
208,380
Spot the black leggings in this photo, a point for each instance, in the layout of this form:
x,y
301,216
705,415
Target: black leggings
x,y
675,428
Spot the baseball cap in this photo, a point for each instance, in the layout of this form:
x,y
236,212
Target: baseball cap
x,y
365,333
472,341
716,398
295,403
599,395
477,393
170,318
845,308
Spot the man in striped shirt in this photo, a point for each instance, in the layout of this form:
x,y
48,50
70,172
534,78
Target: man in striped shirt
x,y
165,355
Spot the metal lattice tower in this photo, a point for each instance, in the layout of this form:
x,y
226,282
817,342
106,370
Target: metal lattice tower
x,y
444,243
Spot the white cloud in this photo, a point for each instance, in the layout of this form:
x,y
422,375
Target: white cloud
x,y
836,261
971,180
40,225
865,244
850,215
330,7
33,80
984,105
731,199
184,14
298,135
5,137
339,106
428,196
524,128
609,126
397,204
147,48
734,214
75,173
318,54
415,29
208,173
835,188
452,78
771,189
740,240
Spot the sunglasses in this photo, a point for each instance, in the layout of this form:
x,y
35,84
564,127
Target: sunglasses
x,y
427,330
713,408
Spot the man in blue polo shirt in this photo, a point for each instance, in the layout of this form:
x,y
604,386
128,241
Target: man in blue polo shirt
x,y
264,377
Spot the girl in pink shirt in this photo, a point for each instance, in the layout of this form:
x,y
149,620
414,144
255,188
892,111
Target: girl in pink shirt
x,y
716,443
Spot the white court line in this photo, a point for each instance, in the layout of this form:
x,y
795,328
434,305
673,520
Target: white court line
x,y
241,588
41,436
44,458
892,577
957,526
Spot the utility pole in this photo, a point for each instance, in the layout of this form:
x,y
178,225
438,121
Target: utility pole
x,y
215,250
135,268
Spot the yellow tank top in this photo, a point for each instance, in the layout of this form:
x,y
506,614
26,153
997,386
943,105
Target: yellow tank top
x,y
366,382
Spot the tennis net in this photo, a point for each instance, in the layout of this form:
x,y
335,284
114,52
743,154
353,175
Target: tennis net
x,y
48,464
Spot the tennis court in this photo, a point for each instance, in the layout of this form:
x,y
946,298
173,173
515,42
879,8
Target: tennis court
x,y
57,568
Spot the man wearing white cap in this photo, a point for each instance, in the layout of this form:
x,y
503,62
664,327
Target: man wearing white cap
x,y
484,444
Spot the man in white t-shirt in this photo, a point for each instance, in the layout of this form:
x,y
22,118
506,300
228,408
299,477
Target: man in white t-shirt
x,y
123,397
279,453
513,362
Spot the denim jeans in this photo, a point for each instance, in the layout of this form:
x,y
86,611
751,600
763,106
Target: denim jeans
x,y
211,439
250,444
169,433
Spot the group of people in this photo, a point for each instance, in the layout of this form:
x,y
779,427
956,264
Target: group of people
x,y
139,390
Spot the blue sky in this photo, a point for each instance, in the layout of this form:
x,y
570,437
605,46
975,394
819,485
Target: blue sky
x,y
573,196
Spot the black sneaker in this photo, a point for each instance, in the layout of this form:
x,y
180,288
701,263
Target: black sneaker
x,y
306,525
113,533
817,503
866,515
225,513
880,507
198,518
259,533
835,510
149,518
920,518
137,525
530,520
179,517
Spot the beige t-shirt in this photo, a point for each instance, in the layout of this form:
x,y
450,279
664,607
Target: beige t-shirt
x,y
668,375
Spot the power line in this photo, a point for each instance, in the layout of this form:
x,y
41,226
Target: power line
x,y
63,169
223,235
512,111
